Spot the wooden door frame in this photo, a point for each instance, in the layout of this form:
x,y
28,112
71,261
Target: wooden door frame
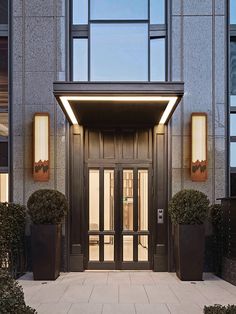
x,y
161,239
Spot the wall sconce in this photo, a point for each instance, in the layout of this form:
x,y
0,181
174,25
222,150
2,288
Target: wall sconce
x,y
199,147
41,147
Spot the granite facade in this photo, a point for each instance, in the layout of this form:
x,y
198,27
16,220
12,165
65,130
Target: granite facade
x,y
199,50
38,59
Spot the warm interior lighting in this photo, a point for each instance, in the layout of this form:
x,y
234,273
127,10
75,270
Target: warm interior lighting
x,y
41,147
3,187
171,103
199,147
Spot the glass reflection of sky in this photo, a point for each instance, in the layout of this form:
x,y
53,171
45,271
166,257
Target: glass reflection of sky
x,y
80,61
233,125
157,59
80,11
157,11
119,52
233,154
232,11
119,9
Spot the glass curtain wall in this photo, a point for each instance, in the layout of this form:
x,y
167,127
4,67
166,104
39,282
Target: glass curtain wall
x,y
121,40
4,125
232,80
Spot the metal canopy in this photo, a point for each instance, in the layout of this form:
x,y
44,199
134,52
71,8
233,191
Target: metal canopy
x,y
105,104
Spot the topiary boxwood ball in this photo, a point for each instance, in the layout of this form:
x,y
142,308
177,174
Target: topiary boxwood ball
x,y
47,207
188,207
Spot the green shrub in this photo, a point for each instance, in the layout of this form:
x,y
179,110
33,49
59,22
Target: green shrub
x,y
47,207
12,232
188,207
219,309
12,296
216,216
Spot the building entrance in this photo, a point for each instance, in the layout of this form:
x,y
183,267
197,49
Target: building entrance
x,y
119,198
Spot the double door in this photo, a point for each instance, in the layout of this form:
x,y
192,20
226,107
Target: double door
x,y
118,220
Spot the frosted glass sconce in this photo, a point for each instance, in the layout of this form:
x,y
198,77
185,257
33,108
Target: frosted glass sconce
x,y
41,147
199,147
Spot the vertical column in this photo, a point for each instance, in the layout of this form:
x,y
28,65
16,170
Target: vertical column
x,y
160,229
77,188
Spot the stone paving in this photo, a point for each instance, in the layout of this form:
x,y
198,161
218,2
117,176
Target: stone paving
x,y
125,292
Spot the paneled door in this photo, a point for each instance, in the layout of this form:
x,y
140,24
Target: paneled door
x,y
118,217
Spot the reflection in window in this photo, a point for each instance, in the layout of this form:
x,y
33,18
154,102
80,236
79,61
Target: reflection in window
x,y
232,11
119,9
3,72
233,184
233,154
157,11
119,52
3,187
233,125
80,59
93,199
3,125
3,11
157,59
80,11
4,154
233,69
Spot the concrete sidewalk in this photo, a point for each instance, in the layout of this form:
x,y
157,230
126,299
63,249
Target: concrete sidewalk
x,y
125,292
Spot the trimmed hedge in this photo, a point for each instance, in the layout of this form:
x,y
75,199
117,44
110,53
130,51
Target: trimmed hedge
x,y
47,207
12,296
12,233
216,218
219,309
188,207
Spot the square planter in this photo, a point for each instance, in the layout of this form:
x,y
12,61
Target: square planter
x,y
46,251
189,243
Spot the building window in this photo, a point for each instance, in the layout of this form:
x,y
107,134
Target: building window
x,y
3,12
118,40
232,91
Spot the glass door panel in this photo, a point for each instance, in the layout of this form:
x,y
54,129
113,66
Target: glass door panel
x,y
109,248
128,200
94,199
94,248
108,199
143,248
128,248
142,199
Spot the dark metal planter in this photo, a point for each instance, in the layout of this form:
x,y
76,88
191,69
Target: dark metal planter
x,y
46,251
189,242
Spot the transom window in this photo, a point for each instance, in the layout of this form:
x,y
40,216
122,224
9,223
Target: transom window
x,y
118,40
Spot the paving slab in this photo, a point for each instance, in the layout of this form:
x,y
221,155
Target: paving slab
x,y
125,292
